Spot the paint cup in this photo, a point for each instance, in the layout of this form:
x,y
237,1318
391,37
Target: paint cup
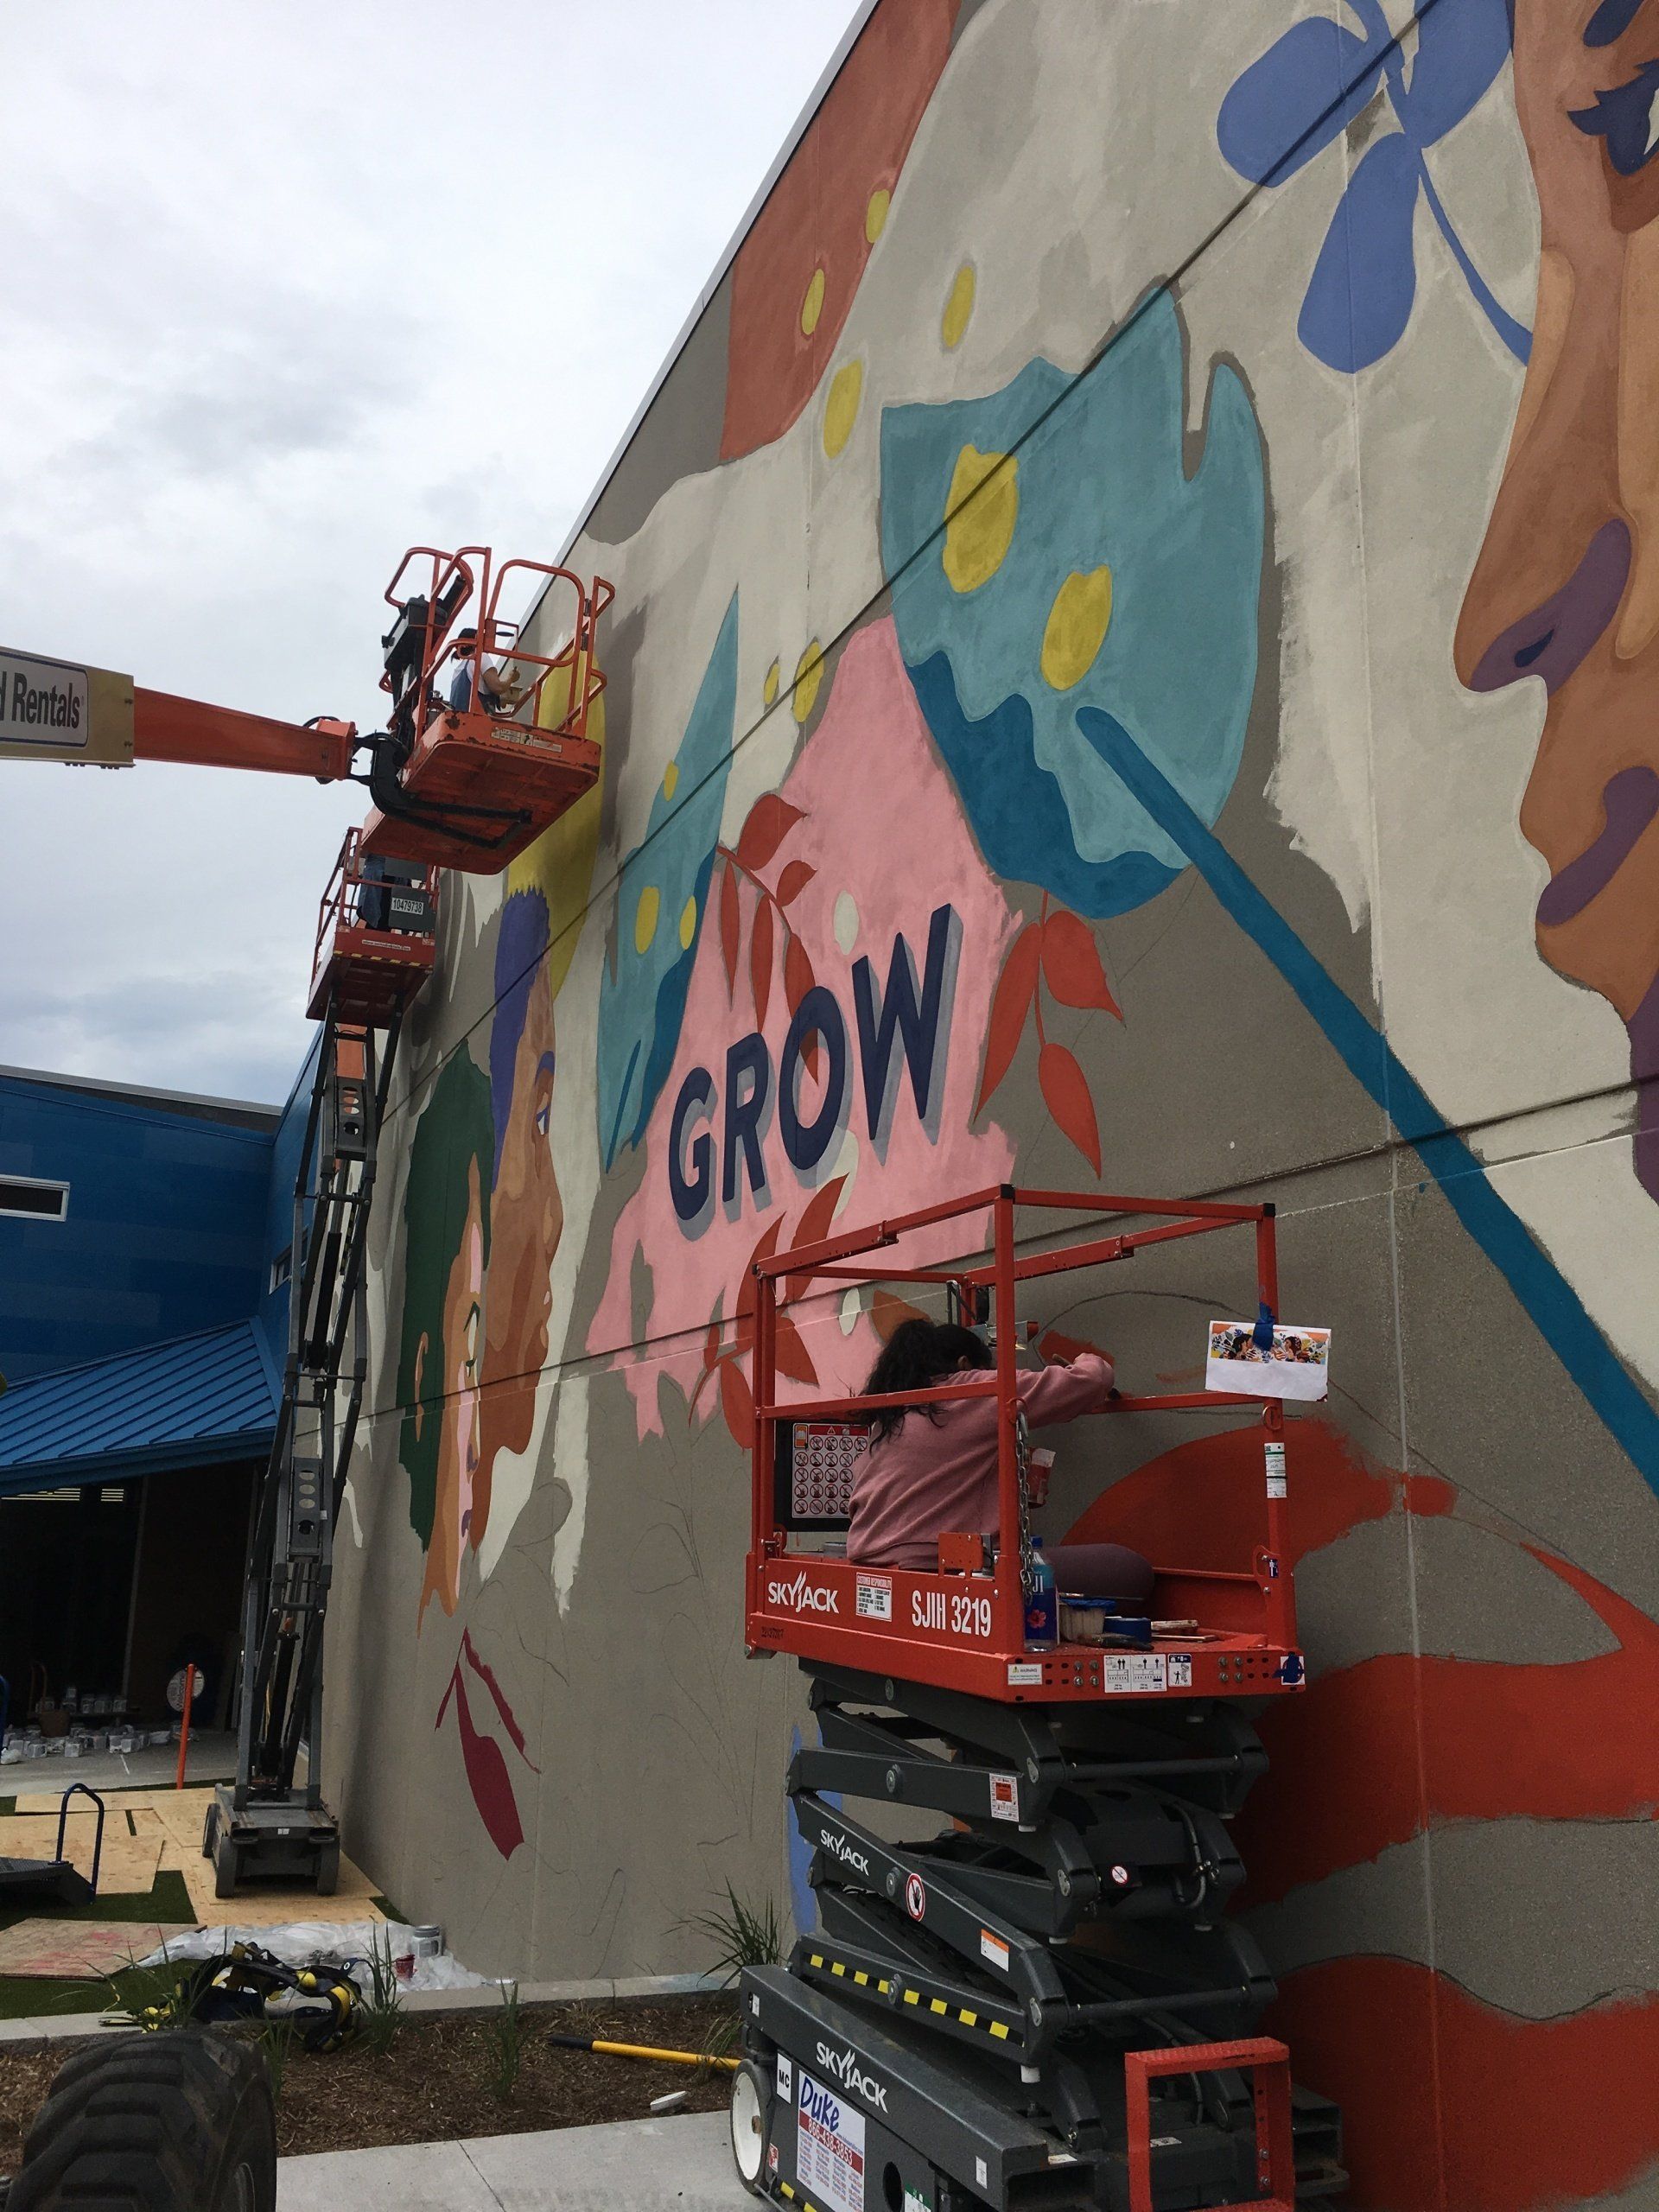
x,y
425,1943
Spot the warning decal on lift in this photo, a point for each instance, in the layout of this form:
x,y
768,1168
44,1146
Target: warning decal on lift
x,y
829,2148
874,1601
1005,1796
1180,1670
994,1948
1134,1670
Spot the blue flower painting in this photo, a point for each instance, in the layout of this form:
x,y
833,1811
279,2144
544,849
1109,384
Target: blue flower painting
x,y
661,895
1077,549
1298,99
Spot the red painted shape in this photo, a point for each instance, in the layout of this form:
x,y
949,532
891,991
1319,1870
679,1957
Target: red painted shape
x,y
814,220
487,1772
1201,1504
1571,1741
1530,2113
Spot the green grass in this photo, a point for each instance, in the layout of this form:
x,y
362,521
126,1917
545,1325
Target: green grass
x,y
25,1997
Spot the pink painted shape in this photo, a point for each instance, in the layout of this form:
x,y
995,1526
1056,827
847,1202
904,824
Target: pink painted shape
x,y
883,824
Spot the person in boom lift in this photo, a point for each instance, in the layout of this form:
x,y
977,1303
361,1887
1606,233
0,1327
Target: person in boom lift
x,y
501,695
933,1469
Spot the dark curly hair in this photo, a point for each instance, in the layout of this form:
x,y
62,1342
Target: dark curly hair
x,y
919,1354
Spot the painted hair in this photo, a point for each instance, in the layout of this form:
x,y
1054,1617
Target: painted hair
x,y
919,1354
453,1134
518,949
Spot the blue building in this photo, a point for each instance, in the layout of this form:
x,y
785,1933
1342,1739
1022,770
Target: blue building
x,y
144,1290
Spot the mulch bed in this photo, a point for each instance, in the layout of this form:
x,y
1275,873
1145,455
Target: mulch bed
x,y
436,2083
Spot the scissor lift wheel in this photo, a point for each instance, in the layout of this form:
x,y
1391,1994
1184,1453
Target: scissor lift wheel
x,y
751,2098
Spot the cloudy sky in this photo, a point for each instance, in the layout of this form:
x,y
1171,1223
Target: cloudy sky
x,y
292,284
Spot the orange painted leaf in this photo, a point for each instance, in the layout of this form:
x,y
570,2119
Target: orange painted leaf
x,y
1072,964
736,1402
691,1402
1016,988
792,1358
760,943
793,880
764,1247
887,1310
770,820
1056,1345
731,925
1065,1092
813,1228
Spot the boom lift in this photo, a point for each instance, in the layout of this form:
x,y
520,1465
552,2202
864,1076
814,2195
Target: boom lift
x,y
462,785
1038,2004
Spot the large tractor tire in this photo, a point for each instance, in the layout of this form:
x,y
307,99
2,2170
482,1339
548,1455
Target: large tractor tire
x,y
179,2121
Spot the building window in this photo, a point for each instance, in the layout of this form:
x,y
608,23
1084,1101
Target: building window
x,y
281,1267
26,1195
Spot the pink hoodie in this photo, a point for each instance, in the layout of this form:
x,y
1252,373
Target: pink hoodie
x,y
930,1477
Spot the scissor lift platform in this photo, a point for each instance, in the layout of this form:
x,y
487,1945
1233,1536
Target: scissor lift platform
x,y
377,937
1019,2006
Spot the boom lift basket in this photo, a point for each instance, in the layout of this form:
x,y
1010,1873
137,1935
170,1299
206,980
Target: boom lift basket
x,y
479,783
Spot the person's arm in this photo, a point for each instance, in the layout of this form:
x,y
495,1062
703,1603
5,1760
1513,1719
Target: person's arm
x,y
1067,1389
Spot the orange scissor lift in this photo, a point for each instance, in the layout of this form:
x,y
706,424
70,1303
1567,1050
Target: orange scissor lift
x,y
1039,2004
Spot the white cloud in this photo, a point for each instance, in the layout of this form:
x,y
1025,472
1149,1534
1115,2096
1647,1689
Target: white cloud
x,y
290,286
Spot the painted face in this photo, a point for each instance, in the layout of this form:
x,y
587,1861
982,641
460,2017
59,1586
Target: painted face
x,y
1566,587
526,1221
459,1441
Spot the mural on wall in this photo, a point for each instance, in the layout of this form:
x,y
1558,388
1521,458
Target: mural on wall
x,y
1567,590
890,964
1318,80
477,1299
830,1049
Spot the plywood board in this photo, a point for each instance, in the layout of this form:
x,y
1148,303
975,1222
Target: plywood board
x,y
263,1907
69,1950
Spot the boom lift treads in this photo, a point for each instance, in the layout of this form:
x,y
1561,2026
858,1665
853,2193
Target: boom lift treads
x,y
1038,2003
463,775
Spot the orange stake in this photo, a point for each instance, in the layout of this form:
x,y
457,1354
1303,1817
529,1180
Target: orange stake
x,y
184,1720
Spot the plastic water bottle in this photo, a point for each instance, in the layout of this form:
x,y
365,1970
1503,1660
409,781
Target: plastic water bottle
x,y
1042,1606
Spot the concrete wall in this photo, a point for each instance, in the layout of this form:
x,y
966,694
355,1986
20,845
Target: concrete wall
x,y
165,1230
1103,547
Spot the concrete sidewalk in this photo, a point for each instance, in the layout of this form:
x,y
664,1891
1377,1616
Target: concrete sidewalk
x,y
646,2165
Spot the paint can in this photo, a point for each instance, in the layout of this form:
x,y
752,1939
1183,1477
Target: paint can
x,y
425,1943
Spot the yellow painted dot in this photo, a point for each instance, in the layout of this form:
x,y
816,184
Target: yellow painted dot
x,y
808,675
645,918
841,408
689,921
769,689
1077,626
812,305
958,306
983,503
875,215
670,778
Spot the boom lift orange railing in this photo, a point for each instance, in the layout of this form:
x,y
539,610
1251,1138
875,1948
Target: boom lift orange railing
x,y
466,787
488,777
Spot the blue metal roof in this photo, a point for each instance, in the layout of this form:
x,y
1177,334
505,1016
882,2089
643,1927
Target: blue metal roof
x,y
195,1399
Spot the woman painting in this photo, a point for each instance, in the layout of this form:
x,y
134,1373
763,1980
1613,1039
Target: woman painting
x,y
933,1468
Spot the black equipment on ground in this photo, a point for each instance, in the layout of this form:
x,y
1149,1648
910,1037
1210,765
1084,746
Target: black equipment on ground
x,y
177,2122
954,2032
58,1879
